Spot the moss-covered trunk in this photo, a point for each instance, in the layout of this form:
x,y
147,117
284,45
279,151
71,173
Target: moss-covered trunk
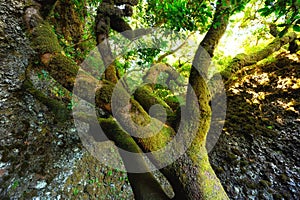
x,y
191,175
68,19
243,60
64,70
218,27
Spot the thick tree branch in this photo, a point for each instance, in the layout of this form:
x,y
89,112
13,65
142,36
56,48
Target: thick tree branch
x,y
217,28
243,60
201,178
64,70
144,185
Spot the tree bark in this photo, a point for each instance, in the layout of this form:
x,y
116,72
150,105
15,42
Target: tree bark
x,y
69,22
144,185
103,99
200,181
217,28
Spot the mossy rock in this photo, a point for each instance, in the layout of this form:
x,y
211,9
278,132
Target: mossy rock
x,y
265,183
284,178
277,196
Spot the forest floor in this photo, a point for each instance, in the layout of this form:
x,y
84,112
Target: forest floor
x,y
257,156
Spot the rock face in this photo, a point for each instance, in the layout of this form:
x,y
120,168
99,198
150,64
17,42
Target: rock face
x,y
40,157
257,155
36,155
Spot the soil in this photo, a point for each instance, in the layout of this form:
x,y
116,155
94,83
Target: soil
x,y
257,155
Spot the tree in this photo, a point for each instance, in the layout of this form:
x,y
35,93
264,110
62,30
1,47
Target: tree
x,y
191,175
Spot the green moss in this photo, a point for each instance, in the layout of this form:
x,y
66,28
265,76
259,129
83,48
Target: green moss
x,y
159,140
243,170
44,40
264,183
277,196
283,178
236,151
105,93
219,169
145,96
57,107
173,102
250,184
121,138
207,179
231,156
64,65
64,70
249,128
139,115
244,163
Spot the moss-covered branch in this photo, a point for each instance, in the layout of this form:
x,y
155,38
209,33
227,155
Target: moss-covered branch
x,y
59,109
144,185
155,71
146,98
243,60
200,181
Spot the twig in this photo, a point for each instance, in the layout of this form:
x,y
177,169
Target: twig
x,y
173,51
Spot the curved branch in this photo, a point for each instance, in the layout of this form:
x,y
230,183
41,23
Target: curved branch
x,y
155,71
144,185
217,28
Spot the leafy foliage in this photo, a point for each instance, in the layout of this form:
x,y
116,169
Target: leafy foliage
x,y
179,14
286,11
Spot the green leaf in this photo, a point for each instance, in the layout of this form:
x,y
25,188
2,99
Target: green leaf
x,y
281,25
296,28
263,10
75,191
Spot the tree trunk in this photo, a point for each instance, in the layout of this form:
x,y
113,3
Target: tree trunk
x,y
218,27
191,175
67,22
